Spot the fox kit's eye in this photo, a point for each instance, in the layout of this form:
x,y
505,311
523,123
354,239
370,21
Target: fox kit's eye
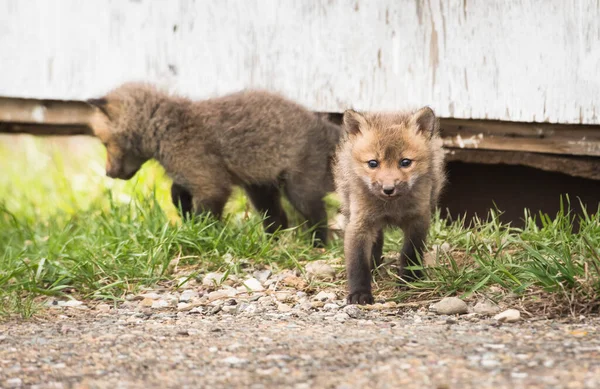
x,y
405,162
373,164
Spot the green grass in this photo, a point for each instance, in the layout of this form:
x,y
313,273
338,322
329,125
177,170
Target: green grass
x,y
67,230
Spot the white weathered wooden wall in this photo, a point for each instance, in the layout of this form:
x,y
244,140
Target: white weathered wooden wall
x,y
536,60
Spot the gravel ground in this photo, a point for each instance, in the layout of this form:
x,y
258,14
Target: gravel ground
x,y
276,337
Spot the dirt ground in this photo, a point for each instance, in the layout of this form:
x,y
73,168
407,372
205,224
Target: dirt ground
x,y
263,343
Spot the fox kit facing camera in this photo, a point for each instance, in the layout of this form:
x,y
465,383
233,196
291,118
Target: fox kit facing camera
x,y
389,172
254,139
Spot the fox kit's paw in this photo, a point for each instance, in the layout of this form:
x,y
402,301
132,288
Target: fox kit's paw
x,y
361,297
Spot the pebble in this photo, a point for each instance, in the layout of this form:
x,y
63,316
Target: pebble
x,y
450,306
234,361
341,317
221,293
103,307
229,308
146,302
159,304
14,383
320,270
353,311
508,316
283,307
152,296
331,307
188,295
262,275
294,282
212,279
324,296
486,307
253,285
71,304
490,363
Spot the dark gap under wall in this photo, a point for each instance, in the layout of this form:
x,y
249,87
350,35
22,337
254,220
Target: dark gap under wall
x,y
475,188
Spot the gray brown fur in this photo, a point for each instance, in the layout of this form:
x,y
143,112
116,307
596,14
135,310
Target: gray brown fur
x,y
255,139
387,195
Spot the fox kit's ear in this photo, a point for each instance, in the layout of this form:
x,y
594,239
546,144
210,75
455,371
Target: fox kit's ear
x,y
425,121
353,121
101,104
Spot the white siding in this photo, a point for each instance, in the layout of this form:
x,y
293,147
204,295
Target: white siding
x,y
536,60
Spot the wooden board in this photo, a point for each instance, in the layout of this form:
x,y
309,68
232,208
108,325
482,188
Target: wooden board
x,y
512,136
54,117
513,60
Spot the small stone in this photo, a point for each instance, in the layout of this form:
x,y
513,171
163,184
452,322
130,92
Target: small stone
x,y
518,374
262,275
283,307
450,306
341,317
152,296
324,296
221,294
183,307
320,270
146,302
103,307
70,303
188,295
160,304
490,363
212,279
14,383
229,308
353,311
486,307
284,296
253,285
294,282
444,247
508,316
215,310
234,361
331,307
249,309
317,304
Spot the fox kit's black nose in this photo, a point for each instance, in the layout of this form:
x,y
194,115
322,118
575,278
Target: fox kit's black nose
x,y
388,190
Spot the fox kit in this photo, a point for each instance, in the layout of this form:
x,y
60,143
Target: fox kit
x,y
255,139
389,172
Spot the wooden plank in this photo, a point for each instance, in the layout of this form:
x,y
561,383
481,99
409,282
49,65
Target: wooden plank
x,y
44,129
50,112
586,167
512,60
528,137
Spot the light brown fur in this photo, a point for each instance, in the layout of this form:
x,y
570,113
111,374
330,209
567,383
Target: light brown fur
x,y
388,194
255,139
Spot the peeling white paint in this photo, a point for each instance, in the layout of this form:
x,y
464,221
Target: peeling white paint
x,y
520,60
38,114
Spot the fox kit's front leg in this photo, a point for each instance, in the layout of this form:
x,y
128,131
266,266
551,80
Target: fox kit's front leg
x,y
358,246
415,235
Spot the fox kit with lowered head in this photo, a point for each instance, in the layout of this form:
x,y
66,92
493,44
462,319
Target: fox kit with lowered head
x,y
389,172
255,139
